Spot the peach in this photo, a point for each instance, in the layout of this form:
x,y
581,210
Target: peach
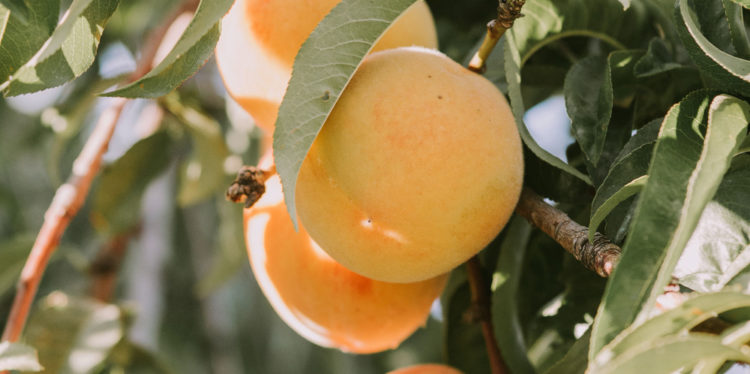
x,y
260,39
418,167
320,299
426,369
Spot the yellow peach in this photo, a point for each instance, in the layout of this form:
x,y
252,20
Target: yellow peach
x,y
260,39
418,167
320,299
426,369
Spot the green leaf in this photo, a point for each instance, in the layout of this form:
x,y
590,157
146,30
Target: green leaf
x,y
70,50
24,27
671,354
549,20
734,337
685,172
513,76
505,295
187,56
73,335
116,202
463,341
682,318
202,175
718,253
744,3
731,72
658,59
17,356
737,30
630,164
323,67
576,360
633,187
588,100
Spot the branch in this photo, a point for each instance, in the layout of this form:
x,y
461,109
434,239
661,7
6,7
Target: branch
x,y
70,196
600,256
507,12
481,311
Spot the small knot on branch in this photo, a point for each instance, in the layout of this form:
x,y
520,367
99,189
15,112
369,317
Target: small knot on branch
x,y
249,185
508,11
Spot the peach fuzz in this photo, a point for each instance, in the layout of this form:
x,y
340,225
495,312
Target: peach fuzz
x,y
260,39
320,299
418,167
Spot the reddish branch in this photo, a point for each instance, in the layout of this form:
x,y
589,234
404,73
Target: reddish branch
x,y
601,255
70,196
480,300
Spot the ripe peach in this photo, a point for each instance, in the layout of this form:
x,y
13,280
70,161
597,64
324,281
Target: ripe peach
x,y
260,39
418,167
426,369
320,299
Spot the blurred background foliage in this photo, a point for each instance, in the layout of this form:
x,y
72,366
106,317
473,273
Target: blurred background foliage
x,y
162,250
185,297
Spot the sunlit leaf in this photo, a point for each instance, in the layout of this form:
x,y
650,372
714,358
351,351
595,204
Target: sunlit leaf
x,y
730,72
323,67
17,356
73,335
70,50
187,56
685,172
668,355
24,27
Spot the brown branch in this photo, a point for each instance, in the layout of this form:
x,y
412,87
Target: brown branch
x,y
600,256
70,196
507,12
480,308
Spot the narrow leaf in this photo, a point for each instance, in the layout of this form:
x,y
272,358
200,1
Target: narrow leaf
x,y
505,295
513,76
665,356
323,67
683,176
187,56
588,100
17,356
70,50
735,337
737,30
682,318
628,190
73,335
731,72
744,3
23,32
576,360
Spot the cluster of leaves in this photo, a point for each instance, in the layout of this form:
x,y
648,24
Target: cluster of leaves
x,y
657,94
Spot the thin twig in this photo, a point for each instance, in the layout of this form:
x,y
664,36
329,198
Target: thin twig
x,y
480,292
601,255
70,196
507,12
